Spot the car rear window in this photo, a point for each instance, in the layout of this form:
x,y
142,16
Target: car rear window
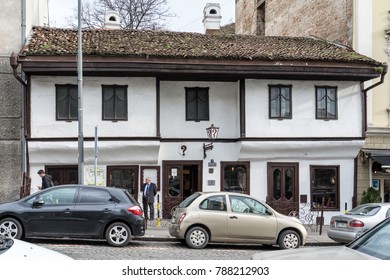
x,y
187,202
365,210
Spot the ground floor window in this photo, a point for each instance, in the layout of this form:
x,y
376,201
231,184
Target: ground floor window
x,y
125,177
325,187
235,177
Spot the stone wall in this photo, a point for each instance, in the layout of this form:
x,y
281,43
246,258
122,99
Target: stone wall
x,y
10,129
327,19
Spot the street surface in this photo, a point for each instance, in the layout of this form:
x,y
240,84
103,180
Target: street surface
x,y
148,250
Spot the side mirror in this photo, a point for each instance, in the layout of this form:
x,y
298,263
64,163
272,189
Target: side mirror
x,y
38,203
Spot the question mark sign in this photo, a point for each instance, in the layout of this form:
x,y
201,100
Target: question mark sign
x,y
184,149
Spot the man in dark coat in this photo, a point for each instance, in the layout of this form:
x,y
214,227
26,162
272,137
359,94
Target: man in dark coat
x,y
47,180
149,191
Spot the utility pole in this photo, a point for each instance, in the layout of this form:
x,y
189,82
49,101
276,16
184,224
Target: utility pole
x,y
79,98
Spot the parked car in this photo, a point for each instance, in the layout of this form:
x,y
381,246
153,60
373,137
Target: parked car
x,y
234,218
373,244
74,211
345,228
15,250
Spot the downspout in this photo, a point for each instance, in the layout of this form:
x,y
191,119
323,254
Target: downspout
x,y
383,74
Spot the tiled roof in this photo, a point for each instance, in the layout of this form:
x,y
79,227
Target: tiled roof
x,y
164,44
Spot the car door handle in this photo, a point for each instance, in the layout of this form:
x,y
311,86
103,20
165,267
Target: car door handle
x,y
67,211
106,210
233,217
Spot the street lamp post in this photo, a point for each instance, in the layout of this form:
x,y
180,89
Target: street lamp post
x,y
79,98
212,133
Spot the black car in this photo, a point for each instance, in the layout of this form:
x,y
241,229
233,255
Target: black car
x,y
74,211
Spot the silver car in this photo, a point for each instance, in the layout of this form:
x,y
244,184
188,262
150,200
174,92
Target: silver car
x,y
345,228
372,245
233,218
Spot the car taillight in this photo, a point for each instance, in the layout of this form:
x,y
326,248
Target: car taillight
x,y
136,210
356,223
331,222
182,218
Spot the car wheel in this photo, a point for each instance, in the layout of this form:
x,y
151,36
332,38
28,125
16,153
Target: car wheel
x,y
118,234
197,238
10,227
289,239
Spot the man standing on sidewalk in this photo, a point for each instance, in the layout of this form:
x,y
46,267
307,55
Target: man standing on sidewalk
x,y
149,191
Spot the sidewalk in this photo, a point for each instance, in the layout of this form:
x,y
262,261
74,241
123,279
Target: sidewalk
x,y
161,233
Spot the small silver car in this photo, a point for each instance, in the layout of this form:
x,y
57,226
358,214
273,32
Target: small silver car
x,y
233,218
345,228
372,245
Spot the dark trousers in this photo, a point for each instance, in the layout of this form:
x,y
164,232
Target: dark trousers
x,y
147,205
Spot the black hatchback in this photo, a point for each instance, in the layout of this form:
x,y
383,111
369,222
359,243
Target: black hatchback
x,y
74,211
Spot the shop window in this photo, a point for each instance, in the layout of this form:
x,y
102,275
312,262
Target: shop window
x,y
325,187
235,177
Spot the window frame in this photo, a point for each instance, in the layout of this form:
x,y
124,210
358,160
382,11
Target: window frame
x,y
279,115
69,116
235,164
197,118
336,203
327,115
115,118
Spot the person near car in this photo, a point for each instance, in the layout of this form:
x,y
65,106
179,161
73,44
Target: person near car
x,y
47,180
149,191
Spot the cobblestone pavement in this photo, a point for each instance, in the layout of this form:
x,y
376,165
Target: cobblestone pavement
x,y
149,250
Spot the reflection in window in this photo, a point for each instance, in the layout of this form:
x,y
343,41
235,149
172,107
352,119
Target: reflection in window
x,y
55,196
66,102
240,204
123,177
324,186
235,178
277,184
174,181
326,102
217,203
288,184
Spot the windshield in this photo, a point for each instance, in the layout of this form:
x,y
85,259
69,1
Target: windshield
x,y
376,242
187,202
364,210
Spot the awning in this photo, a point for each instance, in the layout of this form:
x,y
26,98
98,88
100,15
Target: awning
x,y
381,156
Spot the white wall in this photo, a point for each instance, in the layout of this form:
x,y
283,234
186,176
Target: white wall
x,y
141,108
223,100
303,122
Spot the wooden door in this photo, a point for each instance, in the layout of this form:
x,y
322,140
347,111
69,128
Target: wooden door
x,y
283,189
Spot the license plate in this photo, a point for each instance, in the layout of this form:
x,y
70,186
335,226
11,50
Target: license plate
x,y
341,225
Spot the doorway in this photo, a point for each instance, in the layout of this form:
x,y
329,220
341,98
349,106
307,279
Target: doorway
x,y
63,175
180,180
283,187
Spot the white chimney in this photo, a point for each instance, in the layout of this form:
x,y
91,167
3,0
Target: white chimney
x,y
112,20
212,18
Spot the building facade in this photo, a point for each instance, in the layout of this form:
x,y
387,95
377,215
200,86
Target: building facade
x,y
290,119
360,24
16,20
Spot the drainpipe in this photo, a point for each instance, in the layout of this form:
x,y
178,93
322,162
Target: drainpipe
x,y
383,74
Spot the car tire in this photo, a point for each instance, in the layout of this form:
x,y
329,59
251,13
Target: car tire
x,y
197,238
118,234
289,239
11,228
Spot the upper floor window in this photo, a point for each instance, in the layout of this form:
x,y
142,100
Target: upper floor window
x,y
280,102
114,102
326,102
66,102
197,104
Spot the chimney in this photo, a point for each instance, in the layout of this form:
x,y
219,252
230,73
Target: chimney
x,y
212,18
111,20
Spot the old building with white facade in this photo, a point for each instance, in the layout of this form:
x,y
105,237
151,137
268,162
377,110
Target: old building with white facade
x,y
364,26
289,112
